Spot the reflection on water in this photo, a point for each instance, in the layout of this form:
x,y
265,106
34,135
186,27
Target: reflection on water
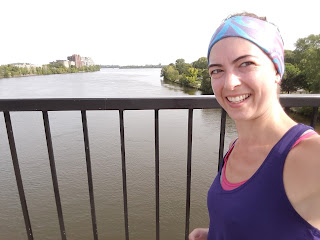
x,y
178,88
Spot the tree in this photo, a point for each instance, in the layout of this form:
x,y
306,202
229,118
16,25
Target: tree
x,y
307,54
25,71
289,57
201,63
181,66
291,80
190,78
170,73
206,82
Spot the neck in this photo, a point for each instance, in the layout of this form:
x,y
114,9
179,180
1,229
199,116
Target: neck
x,y
266,129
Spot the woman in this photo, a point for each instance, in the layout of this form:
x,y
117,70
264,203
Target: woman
x,y
269,186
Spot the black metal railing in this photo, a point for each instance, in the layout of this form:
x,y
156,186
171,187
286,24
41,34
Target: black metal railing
x,y
122,104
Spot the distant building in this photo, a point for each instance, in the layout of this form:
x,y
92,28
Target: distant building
x,y
87,61
77,59
27,65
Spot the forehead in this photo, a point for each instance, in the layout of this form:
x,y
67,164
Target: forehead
x,y
233,47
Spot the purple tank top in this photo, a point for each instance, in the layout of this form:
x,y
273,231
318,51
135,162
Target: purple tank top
x,y
259,209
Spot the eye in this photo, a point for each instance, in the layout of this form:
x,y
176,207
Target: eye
x,y
246,64
215,71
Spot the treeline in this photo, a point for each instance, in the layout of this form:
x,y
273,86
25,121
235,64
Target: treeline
x,y
132,66
110,66
195,75
302,69
9,70
141,66
303,66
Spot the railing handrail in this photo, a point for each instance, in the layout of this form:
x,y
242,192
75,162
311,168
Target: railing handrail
x,y
121,104
145,103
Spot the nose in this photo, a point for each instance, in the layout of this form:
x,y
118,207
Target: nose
x,y
231,81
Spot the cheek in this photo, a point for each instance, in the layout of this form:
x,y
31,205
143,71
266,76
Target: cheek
x,y
216,86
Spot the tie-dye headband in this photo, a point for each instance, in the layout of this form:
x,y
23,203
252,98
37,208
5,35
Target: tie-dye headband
x,y
264,34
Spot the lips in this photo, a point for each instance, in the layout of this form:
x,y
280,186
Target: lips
x,y
238,99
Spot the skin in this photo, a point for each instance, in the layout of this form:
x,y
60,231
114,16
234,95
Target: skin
x,y
239,68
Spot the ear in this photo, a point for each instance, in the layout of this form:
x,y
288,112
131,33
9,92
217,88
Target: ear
x,y
277,78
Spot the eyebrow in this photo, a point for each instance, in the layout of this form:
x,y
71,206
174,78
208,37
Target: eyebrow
x,y
234,61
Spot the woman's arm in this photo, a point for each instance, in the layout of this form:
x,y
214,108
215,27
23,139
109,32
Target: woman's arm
x,y
301,179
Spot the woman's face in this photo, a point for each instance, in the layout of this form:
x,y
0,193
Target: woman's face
x,y
244,79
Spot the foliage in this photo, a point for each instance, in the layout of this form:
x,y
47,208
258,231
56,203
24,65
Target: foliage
x,y
170,73
201,63
307,55
289,57
11,70
292,78
305,111
193,75
190,78
181,66
132,66
206,82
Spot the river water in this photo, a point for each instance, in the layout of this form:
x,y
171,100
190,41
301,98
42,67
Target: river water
x,y
66,130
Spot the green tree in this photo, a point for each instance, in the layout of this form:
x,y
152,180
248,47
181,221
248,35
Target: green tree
x,y
289,57
307,54
201,63
25,71
182,66
206,82
292,79
170,73
32,70
192,77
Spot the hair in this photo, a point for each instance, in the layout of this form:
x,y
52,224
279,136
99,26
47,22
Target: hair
x,y
247,14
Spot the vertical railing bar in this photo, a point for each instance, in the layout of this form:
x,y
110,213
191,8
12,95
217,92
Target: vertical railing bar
x,y
124,175
54,174
314,117
222,136
190,123
89,173
17,172
156,119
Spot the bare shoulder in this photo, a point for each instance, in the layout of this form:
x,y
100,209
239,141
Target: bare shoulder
x,y
301,179
304,159
307,152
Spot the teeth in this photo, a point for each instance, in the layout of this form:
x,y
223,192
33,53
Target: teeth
x,y
238,99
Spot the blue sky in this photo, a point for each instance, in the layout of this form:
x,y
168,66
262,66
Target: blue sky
x,y
136,32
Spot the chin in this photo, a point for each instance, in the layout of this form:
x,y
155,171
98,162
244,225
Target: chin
x,y
240,116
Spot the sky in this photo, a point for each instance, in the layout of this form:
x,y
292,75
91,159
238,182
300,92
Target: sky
x,y
140,32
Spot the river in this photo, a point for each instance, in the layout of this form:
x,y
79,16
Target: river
x,y
106,159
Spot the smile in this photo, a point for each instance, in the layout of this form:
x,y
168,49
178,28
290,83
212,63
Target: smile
x,y
238,99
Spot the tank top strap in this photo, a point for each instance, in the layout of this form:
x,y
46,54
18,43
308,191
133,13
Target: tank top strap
x,y
288,140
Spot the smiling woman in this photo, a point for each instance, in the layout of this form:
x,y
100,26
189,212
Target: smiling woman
x,y
239,78
268,187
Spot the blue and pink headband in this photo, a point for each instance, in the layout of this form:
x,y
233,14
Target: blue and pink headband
x,y
263,34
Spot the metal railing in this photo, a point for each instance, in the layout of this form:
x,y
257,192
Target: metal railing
x,y
122,104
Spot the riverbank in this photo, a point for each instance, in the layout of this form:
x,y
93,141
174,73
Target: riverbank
x,y
9,71
193,75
